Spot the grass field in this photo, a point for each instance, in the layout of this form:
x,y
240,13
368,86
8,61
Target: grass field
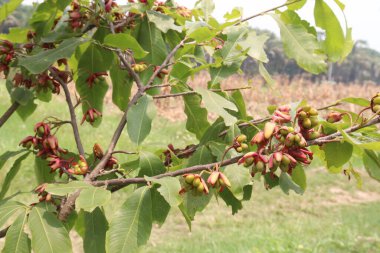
x,y
332,216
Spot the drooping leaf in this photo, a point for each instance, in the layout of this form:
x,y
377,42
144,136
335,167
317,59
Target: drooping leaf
x,y
140,118
150,165
231,200
239,178
232,51
265,74
125,41
41,61
287,184
15,35
337,154
356,101
11,175
220,73
162,22
25,111
367,144
16,240
49,235
299,177
327,20
95,228
194,202
64,189
371,161
217,104
132,224
92,197
160,207
21,96
295,5
255,45
121,86
169,189
7,8
301,46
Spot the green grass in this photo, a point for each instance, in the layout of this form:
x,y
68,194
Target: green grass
x,y
332,216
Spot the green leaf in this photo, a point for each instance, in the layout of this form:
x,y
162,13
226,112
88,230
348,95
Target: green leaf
x,y
11,175
297,5
121,86
41,61
125,41
169,189
48,233
7,8
150,165
92,197
16,35
236,13
299,177
231,200
337,154
239,178
287,184
185,215
16,240
201,156
8,155
160,207
255,45
301,46
95,228
371,161
194,202
232,52
132,224
217,104
363,145
202,34
25,111
356,101
42,171
265,74
8,209
326,19
220,73
139,118
207,7
64,189
151,40
21,96
162,21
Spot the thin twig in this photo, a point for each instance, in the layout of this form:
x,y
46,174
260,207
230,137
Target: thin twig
x,y
185,93
124,152
73,118
8,113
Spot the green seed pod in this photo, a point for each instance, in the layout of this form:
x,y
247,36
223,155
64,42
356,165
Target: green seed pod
x,y
314,121
376,100
376,108
290,129
200,188
306,108
302,114
197,182
306,123
313,112
248,162
189,178
260,166
241,138
40,131
244,146
297,138
285,160
239,149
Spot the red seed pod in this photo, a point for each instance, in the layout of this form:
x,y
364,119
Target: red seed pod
x,y
333,117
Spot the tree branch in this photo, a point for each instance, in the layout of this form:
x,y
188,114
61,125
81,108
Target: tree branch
x,y
194,92
73,118
8,113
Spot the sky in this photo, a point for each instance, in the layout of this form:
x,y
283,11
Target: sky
x,y
363,16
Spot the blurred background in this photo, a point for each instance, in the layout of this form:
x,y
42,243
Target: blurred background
x,y
336,214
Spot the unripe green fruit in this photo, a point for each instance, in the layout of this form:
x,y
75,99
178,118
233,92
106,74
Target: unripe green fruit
x,y
82,164
284,132
314,135
197,182
27,145
306,123
306,108
297,138
200,188
239,149
376,100
314,121
189,179
244,146
282,139
241,138
290,129
40,131
285,160
260,166
313,112
290,137
248,162
254,169
376,108
302,114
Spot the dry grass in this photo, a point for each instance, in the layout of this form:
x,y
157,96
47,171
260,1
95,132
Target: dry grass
x,y
282,92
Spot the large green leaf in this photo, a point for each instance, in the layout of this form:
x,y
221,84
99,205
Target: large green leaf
x,y
337,154
217,104
21,96
11,175
64,189
356,101
16,240
194,202
125,41
160,207
239,178
8,155
255,45
150,165
95,228
49,235
367,144
203,155
121,86
92,197
287,184
326,19
301,46
299,177
41,61
139,118
371,161
25,111
232,51
169,189
8,209
151,40
219,73
42,171
162,21
7,8
132,224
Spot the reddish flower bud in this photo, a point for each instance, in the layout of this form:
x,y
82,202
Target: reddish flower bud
x,y
91,115
42,129
333,117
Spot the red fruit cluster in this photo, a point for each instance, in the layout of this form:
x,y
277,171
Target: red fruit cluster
x,y
307,117
7,54
76,18
91,116
42,82
95,78
109,4
279,145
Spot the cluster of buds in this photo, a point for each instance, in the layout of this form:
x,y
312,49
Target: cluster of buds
x,y
79,168
184,12
95,78
91,116
307,117
195,181
43,195
42,82
139,67
240,143
7,54
77,18
375,103
334,117
282,115
98,154
218,180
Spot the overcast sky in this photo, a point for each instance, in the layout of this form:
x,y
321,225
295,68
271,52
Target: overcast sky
x,y
363,16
